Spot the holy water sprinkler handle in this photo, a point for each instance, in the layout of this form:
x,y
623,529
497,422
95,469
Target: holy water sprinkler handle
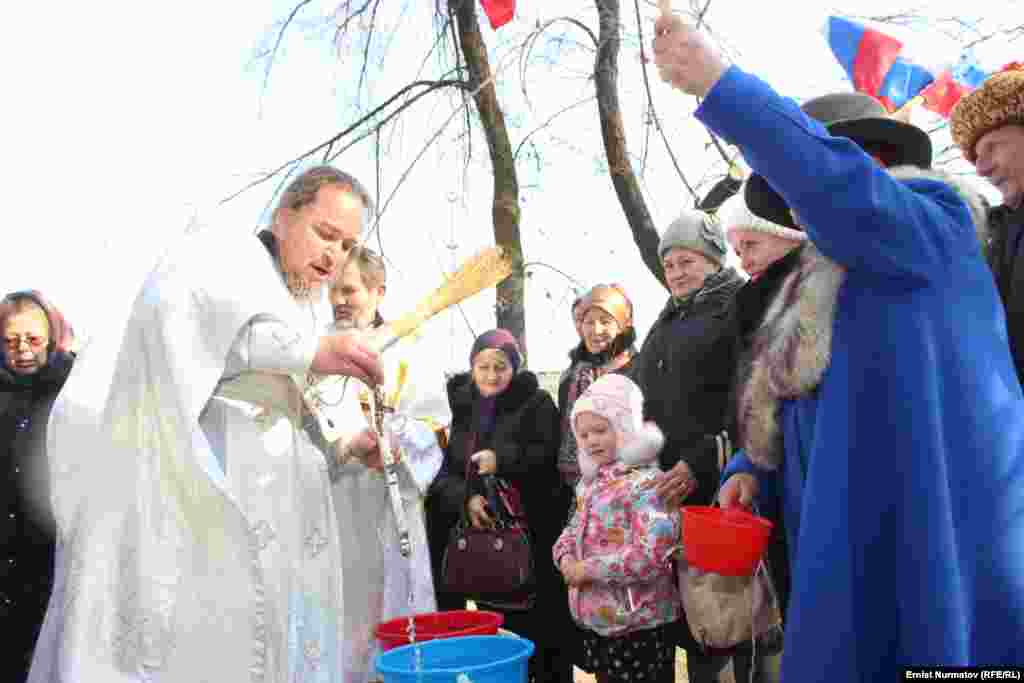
x,y
391,473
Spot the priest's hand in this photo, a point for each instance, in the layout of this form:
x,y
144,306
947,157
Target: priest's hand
x,y
684,57
486,461
365,448
476,508
739,490
344,354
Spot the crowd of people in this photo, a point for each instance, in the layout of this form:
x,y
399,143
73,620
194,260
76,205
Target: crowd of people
x,y
258,487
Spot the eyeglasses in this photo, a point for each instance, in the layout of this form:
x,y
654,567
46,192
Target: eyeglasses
x,y
35,343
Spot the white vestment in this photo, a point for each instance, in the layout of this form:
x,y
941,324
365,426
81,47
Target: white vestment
x,y
197,537
380,584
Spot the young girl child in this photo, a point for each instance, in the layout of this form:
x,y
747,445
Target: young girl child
x,y
614,554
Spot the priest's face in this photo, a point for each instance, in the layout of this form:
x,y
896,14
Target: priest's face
x,y
354,302
26,341
316,239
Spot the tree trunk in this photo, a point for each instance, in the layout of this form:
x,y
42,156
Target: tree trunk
x,y
510,309
606,75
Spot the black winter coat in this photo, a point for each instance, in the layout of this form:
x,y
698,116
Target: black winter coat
x,y
26,521
1006,258
686,369
525,439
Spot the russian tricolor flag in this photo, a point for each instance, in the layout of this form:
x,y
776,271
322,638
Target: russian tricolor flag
x,y
865,54
904,81
872,61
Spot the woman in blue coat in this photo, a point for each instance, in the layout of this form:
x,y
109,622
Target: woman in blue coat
x,y
882,394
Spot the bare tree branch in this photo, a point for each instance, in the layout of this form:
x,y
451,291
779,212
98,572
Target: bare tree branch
x,y
464,73
366,48
568,277
277,44
589,98
531,40
430,87
1011,34
654,113
339,34
379,125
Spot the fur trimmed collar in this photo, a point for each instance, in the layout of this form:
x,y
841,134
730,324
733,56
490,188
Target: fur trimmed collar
x,y
792,348
462,393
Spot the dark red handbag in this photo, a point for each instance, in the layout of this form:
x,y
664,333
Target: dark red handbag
x,y
492,566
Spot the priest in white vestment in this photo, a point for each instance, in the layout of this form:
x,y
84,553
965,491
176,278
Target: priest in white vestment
x,y
379,583
197,535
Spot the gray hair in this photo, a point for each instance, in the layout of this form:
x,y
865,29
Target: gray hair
x,y
302,190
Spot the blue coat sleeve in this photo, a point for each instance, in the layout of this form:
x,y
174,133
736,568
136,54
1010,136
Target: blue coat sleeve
x,y
768,481
854,211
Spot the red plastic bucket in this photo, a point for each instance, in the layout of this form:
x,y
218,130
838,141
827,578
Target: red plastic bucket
x,y
727,542
437,625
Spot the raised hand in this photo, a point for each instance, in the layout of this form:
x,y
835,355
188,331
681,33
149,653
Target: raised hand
x,y
685,59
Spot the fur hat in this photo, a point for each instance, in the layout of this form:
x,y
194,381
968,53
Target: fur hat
x,y
697,231
612,300
735,215
619,400
997,103
862,119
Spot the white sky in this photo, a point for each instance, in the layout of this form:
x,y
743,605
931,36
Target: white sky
x,y
121,117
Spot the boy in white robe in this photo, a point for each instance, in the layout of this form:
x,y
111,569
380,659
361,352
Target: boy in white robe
x,y
379,583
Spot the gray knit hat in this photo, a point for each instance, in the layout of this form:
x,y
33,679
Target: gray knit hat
x,y
696,231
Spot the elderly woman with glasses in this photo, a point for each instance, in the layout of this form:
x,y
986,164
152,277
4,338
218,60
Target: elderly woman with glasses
x,y
36,362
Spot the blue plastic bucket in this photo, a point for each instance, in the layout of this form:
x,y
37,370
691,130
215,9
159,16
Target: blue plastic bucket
x,y
483,659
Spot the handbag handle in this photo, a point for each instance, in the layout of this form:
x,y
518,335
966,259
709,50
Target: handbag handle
x,y
491,495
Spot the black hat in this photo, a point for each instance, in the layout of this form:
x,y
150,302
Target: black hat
x,y
860,118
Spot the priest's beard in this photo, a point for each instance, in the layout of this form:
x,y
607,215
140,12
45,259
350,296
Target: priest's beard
x,y
350,325
299,287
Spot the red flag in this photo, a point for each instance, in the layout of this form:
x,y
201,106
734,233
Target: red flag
x,y
943,94
499,12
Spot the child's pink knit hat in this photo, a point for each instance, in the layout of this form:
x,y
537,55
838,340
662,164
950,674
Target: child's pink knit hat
x,y
619,400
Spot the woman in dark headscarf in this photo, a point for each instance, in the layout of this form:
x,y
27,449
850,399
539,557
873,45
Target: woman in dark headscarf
x,y
505,425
